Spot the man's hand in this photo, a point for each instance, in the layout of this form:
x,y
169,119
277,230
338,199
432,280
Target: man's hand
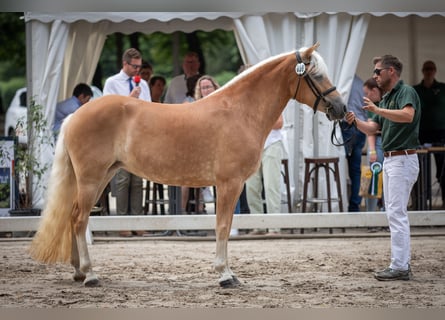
x,y
350,117
135,92
369,105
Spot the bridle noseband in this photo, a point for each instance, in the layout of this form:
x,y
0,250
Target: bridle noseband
x,y
300,69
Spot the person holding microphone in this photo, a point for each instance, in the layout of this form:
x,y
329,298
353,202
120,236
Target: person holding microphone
x,y
128,187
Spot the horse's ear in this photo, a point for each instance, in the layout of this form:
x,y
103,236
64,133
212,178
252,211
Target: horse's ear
x,y
308,53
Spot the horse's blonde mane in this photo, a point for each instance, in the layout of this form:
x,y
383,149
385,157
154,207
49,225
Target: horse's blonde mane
x,y
318,65
254,67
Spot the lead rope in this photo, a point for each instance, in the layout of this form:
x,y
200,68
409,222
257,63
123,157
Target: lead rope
x,y
337,143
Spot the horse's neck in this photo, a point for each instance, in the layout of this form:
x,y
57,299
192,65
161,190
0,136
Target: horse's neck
x,y
263,95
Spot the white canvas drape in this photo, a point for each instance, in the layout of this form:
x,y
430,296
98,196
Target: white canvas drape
x,y
341,37
82,54
47,40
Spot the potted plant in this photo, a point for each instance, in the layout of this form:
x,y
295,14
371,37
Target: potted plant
x,y
29,170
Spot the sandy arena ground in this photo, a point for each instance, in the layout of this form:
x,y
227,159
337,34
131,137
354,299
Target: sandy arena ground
x,y
275,273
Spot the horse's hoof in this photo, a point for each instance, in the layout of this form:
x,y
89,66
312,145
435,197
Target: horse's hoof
x,y
230,283
91,282
235,279
79,276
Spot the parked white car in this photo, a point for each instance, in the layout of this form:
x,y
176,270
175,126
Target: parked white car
x,y
17,111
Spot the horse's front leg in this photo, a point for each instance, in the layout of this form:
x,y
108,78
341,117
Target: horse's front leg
x,y
227,196
84,268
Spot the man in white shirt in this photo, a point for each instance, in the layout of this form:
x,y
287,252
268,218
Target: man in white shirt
x,y
177,89
128,186
269,175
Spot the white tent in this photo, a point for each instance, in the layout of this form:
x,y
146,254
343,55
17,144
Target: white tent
x,y
64,48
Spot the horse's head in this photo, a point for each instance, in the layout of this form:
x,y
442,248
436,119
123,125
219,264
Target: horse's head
x,y
317,90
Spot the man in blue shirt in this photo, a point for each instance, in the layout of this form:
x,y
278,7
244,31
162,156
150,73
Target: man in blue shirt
x,y
82,93
354,143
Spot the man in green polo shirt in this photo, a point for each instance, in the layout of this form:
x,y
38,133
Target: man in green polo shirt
x,y
398,118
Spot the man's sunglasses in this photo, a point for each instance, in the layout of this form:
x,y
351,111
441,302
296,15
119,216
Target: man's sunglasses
x,y
378,71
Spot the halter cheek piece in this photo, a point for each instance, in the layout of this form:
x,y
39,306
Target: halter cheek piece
x,y
300,69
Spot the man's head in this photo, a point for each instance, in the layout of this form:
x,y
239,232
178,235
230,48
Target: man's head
x,y
157,87
146,71
387,71
83,92
131,62
191,64
429,70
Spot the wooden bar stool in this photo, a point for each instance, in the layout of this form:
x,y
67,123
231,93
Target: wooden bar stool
x,y
157,197
313,165
194,200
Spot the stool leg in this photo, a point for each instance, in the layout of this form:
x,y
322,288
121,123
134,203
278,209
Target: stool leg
x,y
286,182
337,179
147,196
305,189
154,197
160,188
339,194
306,182
197,194
328,185
328,182
315,186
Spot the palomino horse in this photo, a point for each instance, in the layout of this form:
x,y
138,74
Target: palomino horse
x,y
215,141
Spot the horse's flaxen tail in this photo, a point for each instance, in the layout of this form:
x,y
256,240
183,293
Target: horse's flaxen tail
x,y
53,240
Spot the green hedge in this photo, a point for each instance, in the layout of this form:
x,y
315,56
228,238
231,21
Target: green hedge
x,y
7,91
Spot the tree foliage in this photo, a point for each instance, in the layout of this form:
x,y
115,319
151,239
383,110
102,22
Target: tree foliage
x,y
218,49
12,44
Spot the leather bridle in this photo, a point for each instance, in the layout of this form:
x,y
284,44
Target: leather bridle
x,y
301,71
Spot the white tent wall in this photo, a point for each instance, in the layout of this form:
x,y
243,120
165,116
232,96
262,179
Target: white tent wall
x,y
82,54
45,57
341,37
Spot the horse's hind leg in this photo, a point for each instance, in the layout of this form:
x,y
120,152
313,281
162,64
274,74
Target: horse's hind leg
x,y
75,262
85,201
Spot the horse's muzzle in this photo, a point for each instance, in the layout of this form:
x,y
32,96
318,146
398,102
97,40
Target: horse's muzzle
x,y
336,111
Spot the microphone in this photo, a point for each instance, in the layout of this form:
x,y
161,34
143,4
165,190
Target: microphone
x,y
137,79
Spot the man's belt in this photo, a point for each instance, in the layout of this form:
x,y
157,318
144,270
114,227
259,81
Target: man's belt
x,y
399,153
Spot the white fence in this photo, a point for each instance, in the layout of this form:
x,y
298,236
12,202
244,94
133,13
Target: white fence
x,y
240,221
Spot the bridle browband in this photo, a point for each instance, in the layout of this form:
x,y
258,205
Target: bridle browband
x,y
300,69
301,72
